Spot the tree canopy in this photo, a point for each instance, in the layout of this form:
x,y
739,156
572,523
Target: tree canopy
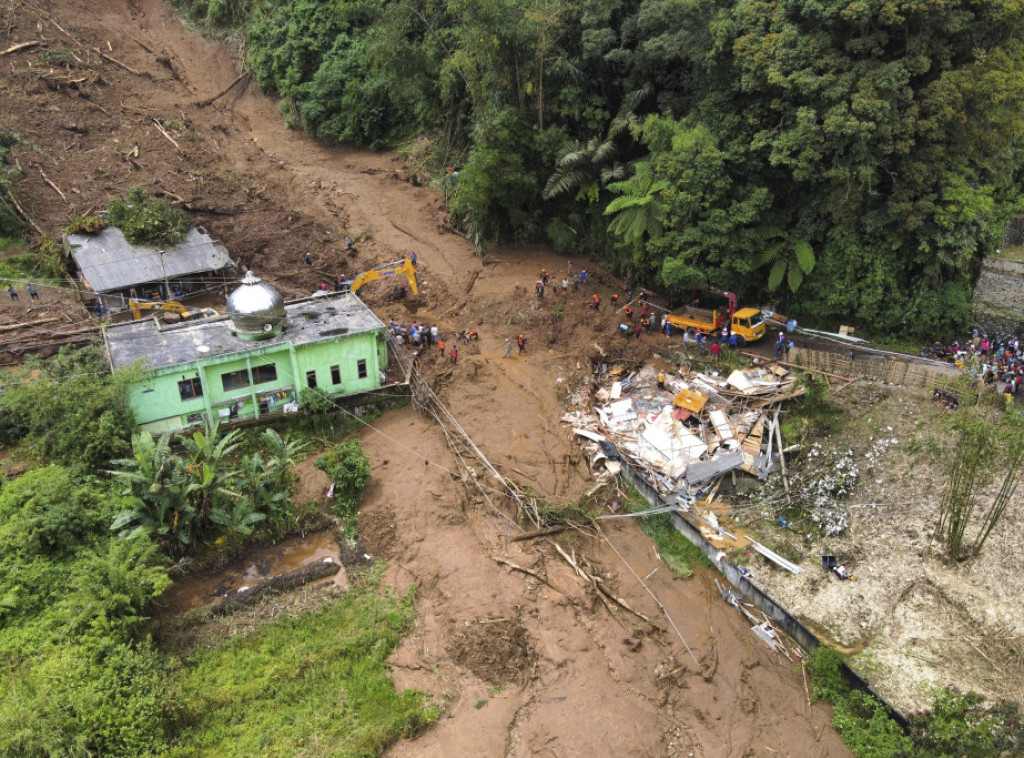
x,y
849,160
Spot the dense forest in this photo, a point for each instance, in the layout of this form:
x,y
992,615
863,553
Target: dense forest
x,y
849,161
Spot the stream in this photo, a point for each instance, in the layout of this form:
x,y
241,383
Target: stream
x,y
256,567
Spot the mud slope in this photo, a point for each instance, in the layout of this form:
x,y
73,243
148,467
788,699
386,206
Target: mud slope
x,y
526,668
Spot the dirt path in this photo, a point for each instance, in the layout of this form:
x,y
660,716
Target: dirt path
x,y
525,668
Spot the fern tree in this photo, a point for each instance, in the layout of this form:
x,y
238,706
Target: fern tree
x,y
790,261
585,166
638,210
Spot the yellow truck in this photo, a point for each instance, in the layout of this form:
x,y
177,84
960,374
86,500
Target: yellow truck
x,y
746,323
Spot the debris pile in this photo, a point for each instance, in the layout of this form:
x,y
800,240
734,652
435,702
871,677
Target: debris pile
x,y
686,431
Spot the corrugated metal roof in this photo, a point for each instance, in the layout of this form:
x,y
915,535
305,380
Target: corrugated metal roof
x,y
109,263
311,320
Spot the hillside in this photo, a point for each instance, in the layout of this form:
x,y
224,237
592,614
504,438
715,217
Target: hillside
x,y
579,680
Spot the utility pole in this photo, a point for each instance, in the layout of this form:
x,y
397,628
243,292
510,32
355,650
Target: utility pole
x,y
167,284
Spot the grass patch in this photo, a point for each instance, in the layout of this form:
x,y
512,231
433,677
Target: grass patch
x,y
311,685
679,553
18,268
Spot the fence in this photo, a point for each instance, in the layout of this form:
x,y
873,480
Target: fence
x,y
913,373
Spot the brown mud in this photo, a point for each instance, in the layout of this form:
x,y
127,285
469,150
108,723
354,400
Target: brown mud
x,y
259,565
523,666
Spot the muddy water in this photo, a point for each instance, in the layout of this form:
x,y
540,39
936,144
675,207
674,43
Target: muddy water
x,y
258,566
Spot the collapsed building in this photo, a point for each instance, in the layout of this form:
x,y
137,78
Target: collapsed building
x,y
684,438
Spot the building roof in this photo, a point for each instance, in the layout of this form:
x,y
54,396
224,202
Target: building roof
x,y
312,320
109,263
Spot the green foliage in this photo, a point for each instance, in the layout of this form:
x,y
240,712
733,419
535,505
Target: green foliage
x,y
316,401
679,553
148,220
957,726
73,703
827,681
313,685
638,210
87,225
18,268
74,412
55,262
867,728
822,146
349,468
46,512
11,226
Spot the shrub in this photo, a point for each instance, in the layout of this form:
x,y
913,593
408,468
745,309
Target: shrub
x,y
74,413
349,468
87,225
148,221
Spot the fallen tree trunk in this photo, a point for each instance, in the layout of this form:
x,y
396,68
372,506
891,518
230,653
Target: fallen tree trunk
x,y
241,598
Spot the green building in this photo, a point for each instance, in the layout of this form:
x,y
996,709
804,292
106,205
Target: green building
x,y
252,362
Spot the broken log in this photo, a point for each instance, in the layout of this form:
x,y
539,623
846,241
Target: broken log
x,y
54,186
19,46
116,62
539,533
524,570
219,95
240,598
29,323
24,215
163,131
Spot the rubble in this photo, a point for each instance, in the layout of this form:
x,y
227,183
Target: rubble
x,y
688,435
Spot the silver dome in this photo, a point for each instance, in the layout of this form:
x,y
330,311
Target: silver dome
x,y
255,308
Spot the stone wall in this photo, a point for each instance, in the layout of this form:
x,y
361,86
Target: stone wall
x,y
999,298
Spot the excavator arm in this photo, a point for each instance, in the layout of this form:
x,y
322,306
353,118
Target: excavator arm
x,y
388,269
138,307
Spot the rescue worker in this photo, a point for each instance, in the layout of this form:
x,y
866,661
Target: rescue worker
x,y
521,342
597,302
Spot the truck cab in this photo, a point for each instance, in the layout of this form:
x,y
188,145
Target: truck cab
x,y
748,325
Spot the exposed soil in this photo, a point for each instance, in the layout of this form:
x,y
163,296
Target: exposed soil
x,y
914,622
497,650
579,675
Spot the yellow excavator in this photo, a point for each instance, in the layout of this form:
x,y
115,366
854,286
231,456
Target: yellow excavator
x,y
169,307
379,272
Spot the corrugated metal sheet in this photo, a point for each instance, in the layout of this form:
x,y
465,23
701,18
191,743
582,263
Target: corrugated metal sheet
x,y
108,263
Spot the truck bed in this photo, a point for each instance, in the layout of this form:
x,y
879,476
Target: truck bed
x,y
694,318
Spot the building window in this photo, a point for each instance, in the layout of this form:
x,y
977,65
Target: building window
x,y
235,380
361,365
265,373
190,388
311,378
335,374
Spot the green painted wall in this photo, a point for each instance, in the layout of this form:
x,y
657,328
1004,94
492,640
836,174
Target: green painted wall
x,y
157,404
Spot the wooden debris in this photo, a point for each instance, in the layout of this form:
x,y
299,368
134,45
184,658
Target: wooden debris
x,y
539,533
37,322
116,62
524,570
19,46
24,215
163,131
219,95
54,186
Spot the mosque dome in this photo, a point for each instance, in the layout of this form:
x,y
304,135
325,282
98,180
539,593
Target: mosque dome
x,y
256,309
